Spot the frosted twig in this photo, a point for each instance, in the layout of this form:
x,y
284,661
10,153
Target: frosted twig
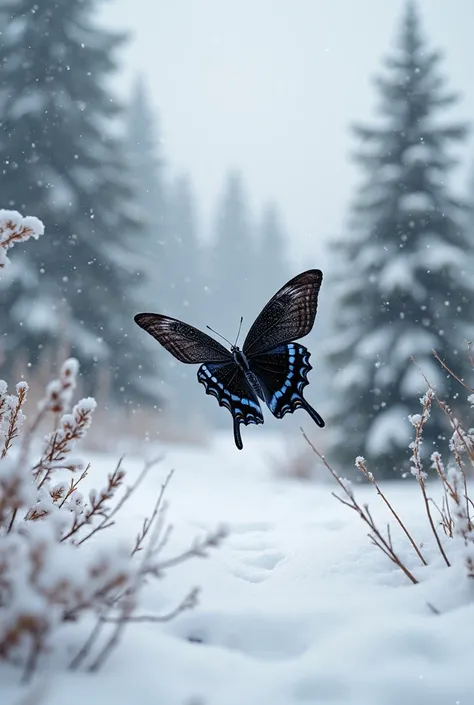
x,y
59,444
59,392
109,516
361,464
149,522
469,353
99,502
460,436
384,544
38,590
127,603
451,373
90,641
15,416
197,550
14,228
418,422
445,513
463,524
188,602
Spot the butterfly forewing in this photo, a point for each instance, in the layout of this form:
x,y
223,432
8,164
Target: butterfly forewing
x,y
289,315
186,343
228,384
282,374
272,366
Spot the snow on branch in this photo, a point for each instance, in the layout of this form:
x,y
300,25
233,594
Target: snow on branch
x,y
378,538
15,228
59,392
46,578
456,513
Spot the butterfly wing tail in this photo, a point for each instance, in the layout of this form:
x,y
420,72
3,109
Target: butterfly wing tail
x,y
283,374
237,434
228,384
318,420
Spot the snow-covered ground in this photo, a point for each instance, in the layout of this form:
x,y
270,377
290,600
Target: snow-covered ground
x,y
297,607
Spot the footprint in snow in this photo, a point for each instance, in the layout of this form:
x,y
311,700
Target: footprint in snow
x,y
255,553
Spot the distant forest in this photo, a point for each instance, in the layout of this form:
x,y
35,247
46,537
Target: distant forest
x,y
123,234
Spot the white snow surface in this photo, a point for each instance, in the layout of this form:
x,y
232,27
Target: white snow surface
x,y
297,606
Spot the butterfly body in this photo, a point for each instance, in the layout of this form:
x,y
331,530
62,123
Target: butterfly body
x,y
270,367
240,359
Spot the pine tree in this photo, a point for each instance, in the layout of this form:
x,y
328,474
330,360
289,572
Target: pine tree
x,y
185,251
147,165
147,176
186,293
403,286
273,259
61,163
233,260
230,272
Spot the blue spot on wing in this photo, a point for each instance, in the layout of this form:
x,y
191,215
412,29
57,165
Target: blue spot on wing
x,y
227,383
295,367
283,374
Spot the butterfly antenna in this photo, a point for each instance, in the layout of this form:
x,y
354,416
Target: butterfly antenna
x,y
238,332
219,334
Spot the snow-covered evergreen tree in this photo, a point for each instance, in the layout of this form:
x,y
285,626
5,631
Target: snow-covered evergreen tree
x,y
233,281
147,177
273,259
404,287
185,252
146,164
186,296
60,161
231,286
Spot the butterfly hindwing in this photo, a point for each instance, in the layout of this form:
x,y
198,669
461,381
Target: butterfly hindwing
x,y
288,315
186,343
271,365
228,384
282,375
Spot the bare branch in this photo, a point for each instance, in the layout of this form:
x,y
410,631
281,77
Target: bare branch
x,y
451,373
363,467
364,513
189,602
156,515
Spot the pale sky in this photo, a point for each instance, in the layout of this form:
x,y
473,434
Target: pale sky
x,y
270,87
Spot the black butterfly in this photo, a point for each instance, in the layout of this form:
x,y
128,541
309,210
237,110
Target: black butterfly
x,y
270,365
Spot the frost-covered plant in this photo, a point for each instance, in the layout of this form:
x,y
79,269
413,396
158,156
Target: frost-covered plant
x,y
45,519
456,513
47,578
44,579
14,228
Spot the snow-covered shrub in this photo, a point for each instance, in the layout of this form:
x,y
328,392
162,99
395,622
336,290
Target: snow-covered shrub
x,y
54,567
452,519
45,579
45,519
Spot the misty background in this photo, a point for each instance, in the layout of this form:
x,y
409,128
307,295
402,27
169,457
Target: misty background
x,y
271,88
189,157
